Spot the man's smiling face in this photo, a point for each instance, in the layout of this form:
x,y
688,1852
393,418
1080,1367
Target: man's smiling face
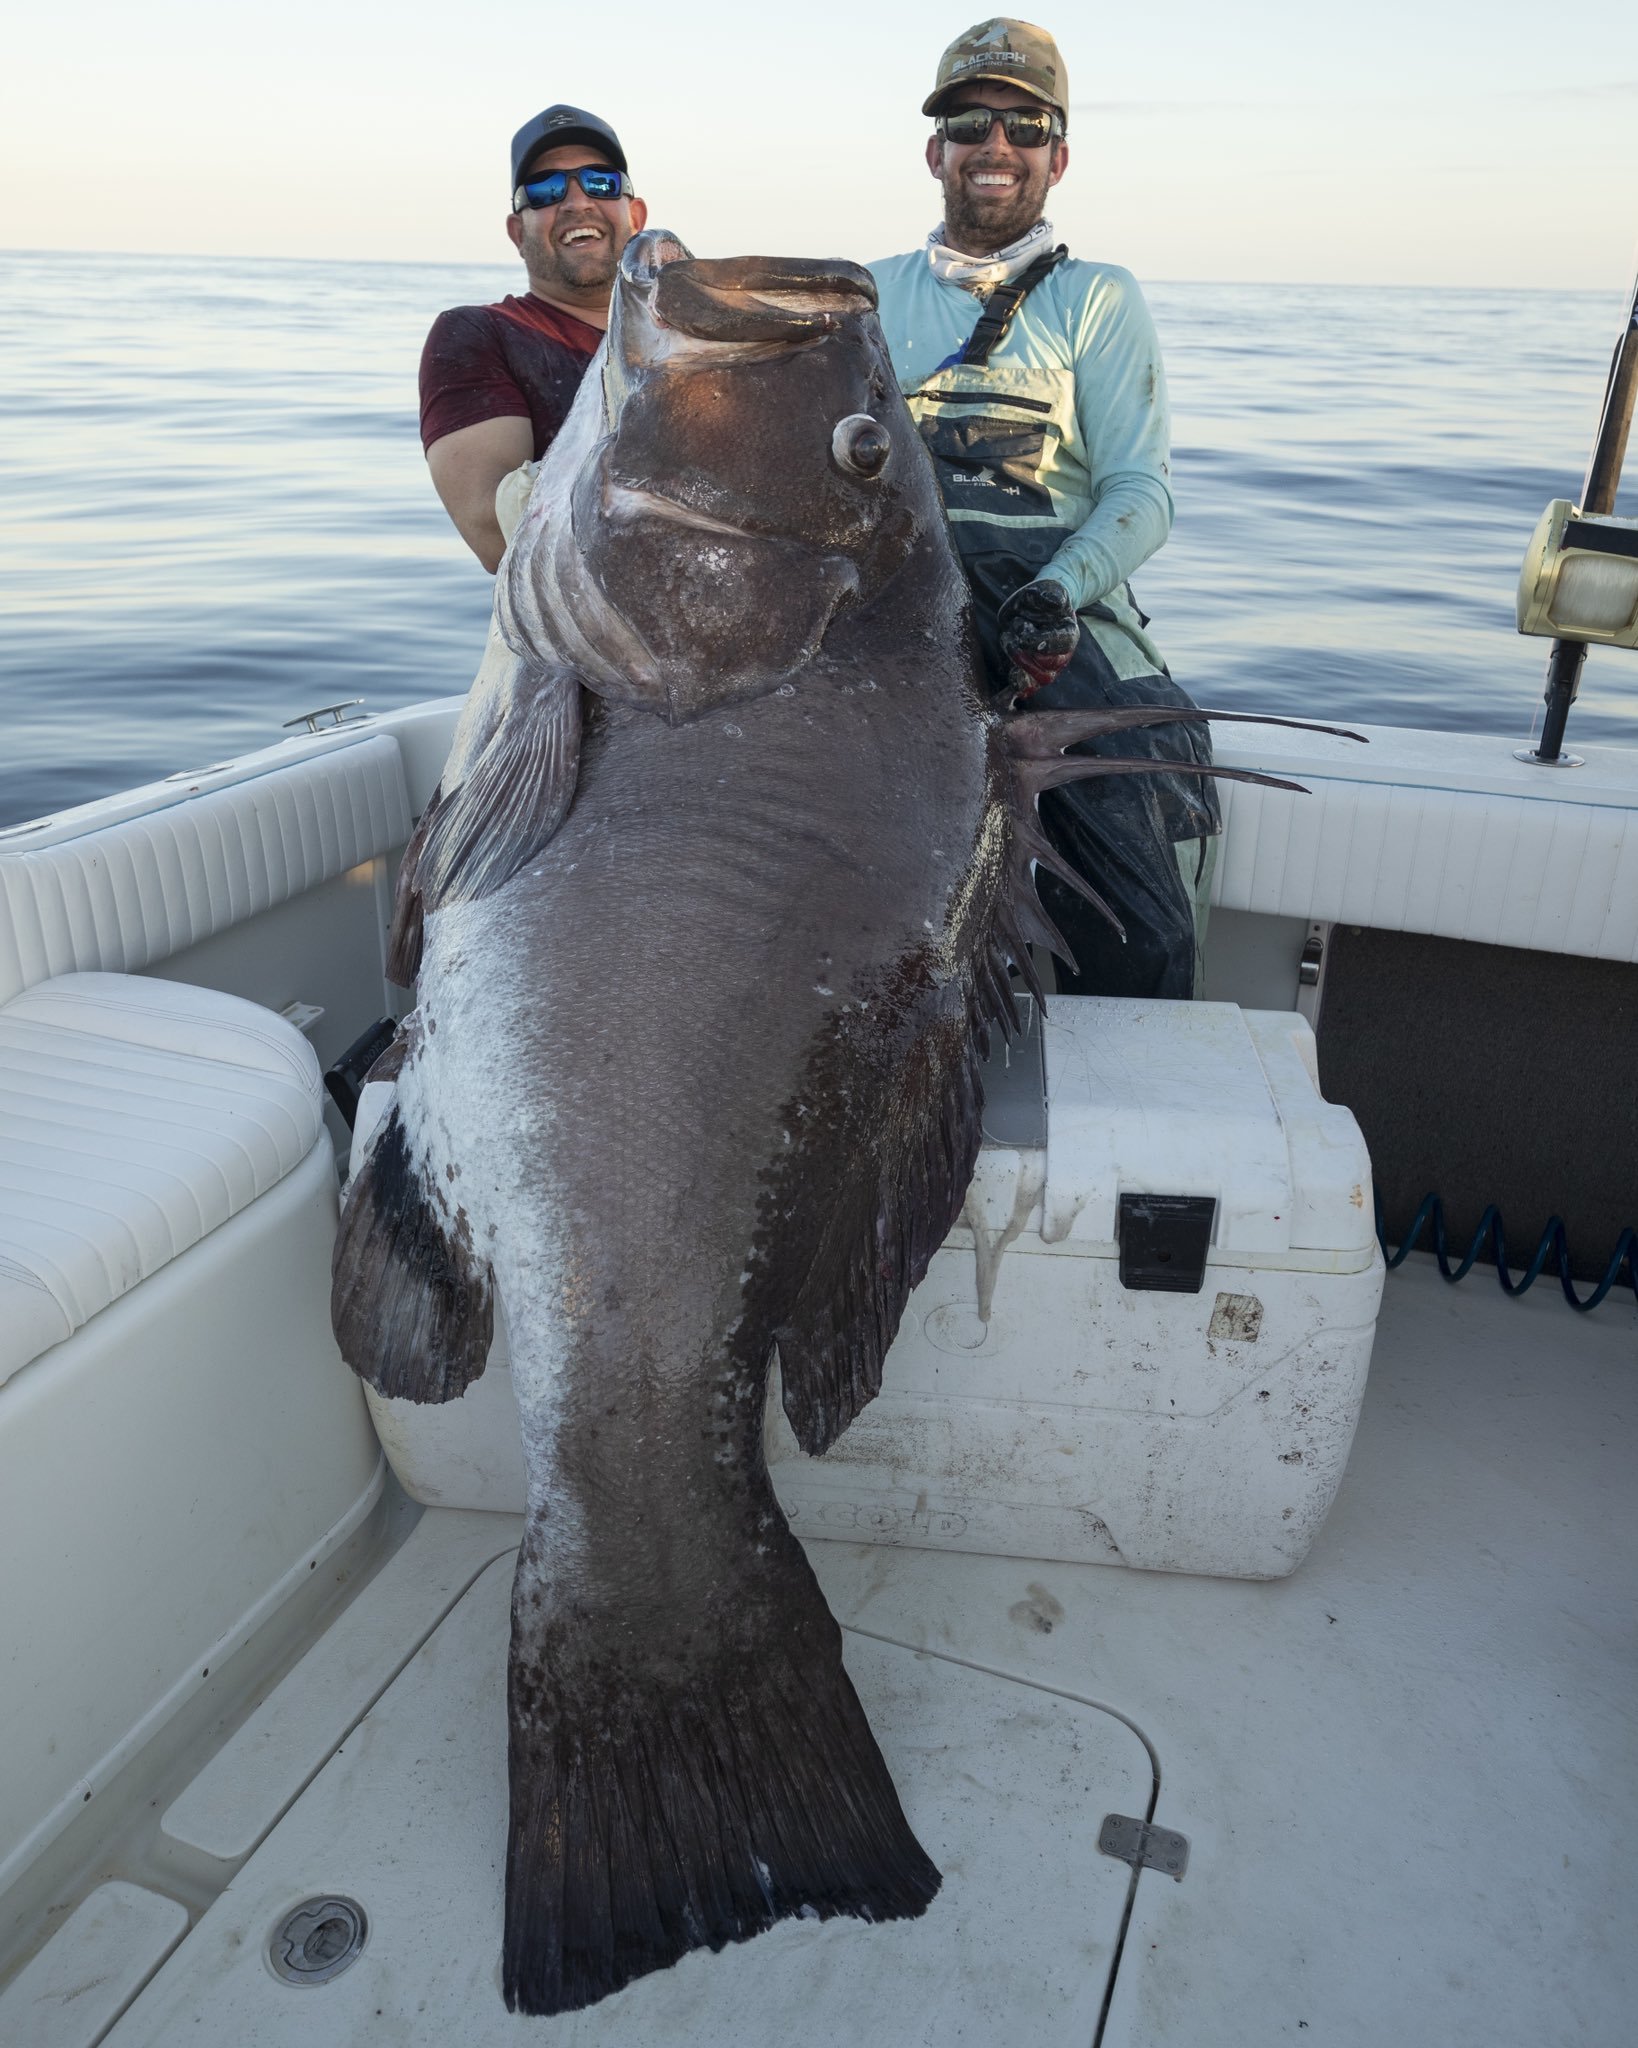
x,y
572,250
993,193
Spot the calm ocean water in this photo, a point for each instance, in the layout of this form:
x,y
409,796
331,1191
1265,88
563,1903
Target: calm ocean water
x,y
214,513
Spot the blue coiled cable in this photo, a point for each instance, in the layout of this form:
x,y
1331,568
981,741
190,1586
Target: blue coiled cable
x,y
1554,1245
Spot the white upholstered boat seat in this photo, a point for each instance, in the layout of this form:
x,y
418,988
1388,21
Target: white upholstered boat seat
x,y
135,1116
128,895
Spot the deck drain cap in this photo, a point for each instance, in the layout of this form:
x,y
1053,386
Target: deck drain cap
x,y
318,1939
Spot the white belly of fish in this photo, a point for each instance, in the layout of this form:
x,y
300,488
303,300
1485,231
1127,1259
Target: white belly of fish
x,y
478,1114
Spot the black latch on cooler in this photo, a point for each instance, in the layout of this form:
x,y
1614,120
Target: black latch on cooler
x,y
1164,1240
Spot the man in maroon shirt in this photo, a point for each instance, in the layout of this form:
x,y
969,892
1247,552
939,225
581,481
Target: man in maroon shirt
x,y
497,381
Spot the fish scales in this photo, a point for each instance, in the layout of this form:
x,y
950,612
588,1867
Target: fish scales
x,y
711,915
645,1263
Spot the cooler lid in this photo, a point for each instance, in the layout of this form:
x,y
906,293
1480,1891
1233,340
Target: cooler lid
x,y
1165,1098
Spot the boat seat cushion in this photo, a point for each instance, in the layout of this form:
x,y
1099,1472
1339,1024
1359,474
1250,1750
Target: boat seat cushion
x,y
135,1116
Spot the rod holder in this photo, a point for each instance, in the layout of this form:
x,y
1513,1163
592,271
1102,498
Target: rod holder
x,y
1568,657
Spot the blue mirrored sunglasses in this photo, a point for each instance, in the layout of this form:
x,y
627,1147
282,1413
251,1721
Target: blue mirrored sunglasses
x,y
595,180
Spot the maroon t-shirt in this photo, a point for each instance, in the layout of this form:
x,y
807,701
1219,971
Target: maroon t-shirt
x,y
522,359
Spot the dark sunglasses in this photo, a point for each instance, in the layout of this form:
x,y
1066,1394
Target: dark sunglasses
x,y
548,189
1026,127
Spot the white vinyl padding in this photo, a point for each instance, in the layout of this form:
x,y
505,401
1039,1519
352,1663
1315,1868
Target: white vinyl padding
x,y
136,1116
1499,870
135,892
1435,833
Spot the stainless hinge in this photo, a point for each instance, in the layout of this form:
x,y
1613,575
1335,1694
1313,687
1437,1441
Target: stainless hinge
x,y
1144,1847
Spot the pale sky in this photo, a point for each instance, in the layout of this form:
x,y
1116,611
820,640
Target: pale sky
x,y
1401,141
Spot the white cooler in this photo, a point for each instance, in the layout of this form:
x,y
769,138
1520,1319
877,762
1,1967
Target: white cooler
x,y
1145,1344
1193,1414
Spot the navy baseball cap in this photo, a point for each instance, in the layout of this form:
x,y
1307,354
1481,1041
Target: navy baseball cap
x,y
556,127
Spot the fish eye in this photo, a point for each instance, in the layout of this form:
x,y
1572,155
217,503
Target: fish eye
x,y
861,444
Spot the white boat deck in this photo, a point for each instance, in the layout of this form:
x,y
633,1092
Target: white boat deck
x,y
1407,1774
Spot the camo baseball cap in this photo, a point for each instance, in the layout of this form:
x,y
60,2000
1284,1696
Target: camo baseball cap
x,y
1015,51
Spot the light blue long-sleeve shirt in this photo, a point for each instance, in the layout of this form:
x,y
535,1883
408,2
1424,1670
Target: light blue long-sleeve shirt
x,y
1083,354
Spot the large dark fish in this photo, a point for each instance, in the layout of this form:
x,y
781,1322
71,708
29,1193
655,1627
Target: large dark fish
x,y
694,1072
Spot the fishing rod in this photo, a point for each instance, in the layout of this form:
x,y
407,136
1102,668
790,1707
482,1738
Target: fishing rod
x,y
1579,582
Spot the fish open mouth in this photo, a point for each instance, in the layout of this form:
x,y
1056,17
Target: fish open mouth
x,y
760,298
740,298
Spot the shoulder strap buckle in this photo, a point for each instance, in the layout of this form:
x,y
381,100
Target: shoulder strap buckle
x,y
1002,304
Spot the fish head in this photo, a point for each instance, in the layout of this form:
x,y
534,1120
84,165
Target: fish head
x,y
753,475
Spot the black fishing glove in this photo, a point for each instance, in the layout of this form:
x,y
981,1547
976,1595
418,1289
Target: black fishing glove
x,y
1039,632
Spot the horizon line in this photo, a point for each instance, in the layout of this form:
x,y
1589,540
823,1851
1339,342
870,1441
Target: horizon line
x,y
501,262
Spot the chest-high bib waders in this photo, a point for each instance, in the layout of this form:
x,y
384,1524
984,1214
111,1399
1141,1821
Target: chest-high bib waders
x,y
1140,840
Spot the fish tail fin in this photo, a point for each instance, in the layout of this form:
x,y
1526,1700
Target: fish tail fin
x,y
653,1813
410,1301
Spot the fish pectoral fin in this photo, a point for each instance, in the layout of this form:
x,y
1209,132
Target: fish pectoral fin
x,y
410,1300
514,799
875,1245
404,932
503,811
658,1811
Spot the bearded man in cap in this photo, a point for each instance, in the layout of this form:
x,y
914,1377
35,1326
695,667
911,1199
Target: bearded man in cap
x,y
497,381
1037,384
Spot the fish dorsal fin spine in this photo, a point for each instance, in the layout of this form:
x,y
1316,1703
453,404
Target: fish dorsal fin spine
x,y
1034,744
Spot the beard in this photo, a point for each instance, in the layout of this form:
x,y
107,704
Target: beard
x,y
980,222
588,266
